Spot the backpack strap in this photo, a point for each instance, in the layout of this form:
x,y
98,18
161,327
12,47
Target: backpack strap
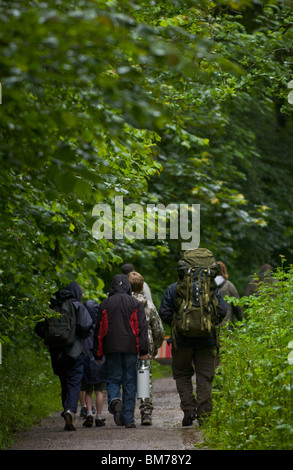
x,y
200,287
189,288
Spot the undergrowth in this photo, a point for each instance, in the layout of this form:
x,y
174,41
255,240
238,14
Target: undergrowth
x,y
29,390
253,387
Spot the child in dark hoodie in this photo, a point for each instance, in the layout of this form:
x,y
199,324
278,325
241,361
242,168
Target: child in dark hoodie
x,y
68,362
121,334
94,374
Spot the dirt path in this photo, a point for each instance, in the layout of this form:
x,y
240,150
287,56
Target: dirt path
x,y
166,433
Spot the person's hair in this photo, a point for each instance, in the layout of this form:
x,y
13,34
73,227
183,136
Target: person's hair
x,y
223,270
265,272
136,280
127,268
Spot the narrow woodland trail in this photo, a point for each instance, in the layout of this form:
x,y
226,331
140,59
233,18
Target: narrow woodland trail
x,y
166,432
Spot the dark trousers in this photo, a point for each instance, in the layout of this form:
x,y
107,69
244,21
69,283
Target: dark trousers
x,y
186,362
70,373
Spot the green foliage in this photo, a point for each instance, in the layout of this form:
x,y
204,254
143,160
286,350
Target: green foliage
x,y
29,391
160,102
242,115
230,125
160,371
253,399
168,102
73,134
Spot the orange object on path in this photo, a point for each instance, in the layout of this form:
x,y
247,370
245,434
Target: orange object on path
x,y
164,355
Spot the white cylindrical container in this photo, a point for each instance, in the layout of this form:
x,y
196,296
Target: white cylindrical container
x,y
143,379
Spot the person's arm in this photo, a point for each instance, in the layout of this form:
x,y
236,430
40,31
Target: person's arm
x,y
167,306
143,341
84,322
41,328
101,329
158,332
222,305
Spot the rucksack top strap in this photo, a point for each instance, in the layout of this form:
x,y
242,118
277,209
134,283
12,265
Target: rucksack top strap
x,y
189,298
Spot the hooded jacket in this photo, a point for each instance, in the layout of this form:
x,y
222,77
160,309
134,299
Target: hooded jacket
x,y
93,373
156,332
72,291
226,287
264,276
121,324
84,322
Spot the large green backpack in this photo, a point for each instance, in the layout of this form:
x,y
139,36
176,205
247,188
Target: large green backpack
x,y
196,304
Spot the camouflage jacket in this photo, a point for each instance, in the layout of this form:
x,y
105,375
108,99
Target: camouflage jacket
x,y
156,332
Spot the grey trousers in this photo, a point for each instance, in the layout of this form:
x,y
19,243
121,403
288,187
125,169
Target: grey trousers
x,y
186,362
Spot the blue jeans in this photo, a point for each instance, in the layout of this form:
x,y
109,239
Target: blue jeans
x,y
121,370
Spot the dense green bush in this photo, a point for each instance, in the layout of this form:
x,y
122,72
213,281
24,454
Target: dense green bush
x,y
253,398
29,390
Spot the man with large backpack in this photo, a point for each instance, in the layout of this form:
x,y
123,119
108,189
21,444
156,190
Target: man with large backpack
x,y
64,333
194,307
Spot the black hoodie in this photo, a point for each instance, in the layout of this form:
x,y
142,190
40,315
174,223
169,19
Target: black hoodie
x,y
121,324
73,290
84,322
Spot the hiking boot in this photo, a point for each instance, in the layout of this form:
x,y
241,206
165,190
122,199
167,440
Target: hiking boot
x,y
88,422
69,417
130,425
146,420
188,419
115,408
100,421
83,412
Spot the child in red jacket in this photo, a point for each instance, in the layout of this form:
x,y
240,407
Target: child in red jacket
x,y
121,334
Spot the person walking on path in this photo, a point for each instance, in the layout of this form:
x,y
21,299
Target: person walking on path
x,y
265,275
156,334
94,376
192,354
128,268
226,287
121,334
67,360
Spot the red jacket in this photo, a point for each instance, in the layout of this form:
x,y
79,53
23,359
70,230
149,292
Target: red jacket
x,y
121,324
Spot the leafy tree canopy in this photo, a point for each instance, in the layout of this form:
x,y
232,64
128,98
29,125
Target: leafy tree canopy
x,y
155,101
